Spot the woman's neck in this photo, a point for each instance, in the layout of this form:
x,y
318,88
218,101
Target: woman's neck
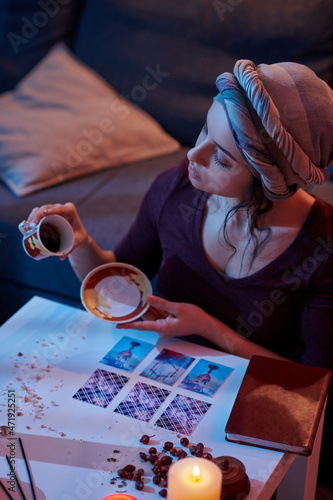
x,y
240,255
290,212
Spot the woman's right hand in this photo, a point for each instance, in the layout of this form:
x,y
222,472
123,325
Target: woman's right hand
x,y
69,212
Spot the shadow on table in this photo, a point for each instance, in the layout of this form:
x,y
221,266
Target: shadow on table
x,y
80,453
15,494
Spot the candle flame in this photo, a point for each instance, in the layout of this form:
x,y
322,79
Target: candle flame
x,y
196,472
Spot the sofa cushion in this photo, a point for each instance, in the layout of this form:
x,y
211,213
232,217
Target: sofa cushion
x,y
165,56
28,29
63,121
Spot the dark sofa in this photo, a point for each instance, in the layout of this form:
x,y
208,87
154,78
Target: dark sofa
x,y
189,43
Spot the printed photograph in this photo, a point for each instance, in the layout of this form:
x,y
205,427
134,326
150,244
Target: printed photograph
x,y
167,367
206,377
127,353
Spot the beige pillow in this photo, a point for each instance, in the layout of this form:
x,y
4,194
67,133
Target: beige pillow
x,y
63,121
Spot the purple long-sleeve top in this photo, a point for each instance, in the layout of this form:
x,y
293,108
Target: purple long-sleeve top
x,y
287,306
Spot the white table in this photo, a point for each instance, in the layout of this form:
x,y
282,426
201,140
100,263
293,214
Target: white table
x,y
48,350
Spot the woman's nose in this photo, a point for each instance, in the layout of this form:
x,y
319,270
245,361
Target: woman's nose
x,y
198,155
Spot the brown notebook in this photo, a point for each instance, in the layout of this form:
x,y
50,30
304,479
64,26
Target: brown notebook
x,y
278,405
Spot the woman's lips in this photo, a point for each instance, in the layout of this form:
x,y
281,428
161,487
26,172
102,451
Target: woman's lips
x,y
193,173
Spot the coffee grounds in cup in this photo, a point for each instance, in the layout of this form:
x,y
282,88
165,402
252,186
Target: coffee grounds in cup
x,y
50,237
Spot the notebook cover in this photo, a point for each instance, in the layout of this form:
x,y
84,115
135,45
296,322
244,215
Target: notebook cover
x,y
278,405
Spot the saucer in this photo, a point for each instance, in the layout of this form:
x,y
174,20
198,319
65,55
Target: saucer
x,y
116,292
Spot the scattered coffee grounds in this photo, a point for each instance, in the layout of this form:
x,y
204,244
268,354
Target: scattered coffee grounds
x,y
50,237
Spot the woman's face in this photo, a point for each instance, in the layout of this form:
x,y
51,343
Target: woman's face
x,y
216,166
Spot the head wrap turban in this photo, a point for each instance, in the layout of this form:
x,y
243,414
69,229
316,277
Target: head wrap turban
x,y
281,118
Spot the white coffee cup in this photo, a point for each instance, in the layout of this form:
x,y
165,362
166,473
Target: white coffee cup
x,y
52,236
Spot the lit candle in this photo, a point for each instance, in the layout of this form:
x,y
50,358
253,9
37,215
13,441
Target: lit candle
x,y
119,496
194,478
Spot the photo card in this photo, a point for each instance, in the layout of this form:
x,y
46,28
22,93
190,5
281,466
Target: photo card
x,y
142,401
167,367
101,387
205,377
183,414
127,353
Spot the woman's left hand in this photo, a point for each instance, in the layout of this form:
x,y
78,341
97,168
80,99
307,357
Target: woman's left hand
x,y
170,319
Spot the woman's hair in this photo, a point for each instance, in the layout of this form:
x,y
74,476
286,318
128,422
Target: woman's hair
x,y
281,118
256,205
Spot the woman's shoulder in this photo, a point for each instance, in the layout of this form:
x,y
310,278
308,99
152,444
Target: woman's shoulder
x,y
320,219
319,230
173,174
168,181
164,187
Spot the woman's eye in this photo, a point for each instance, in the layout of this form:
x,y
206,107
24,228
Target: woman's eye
x,y
219,162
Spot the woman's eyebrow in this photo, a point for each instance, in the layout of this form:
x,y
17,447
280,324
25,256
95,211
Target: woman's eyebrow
x,y
218,145
224,151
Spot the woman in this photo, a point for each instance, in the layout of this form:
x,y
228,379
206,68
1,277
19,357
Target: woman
x,y
243,253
